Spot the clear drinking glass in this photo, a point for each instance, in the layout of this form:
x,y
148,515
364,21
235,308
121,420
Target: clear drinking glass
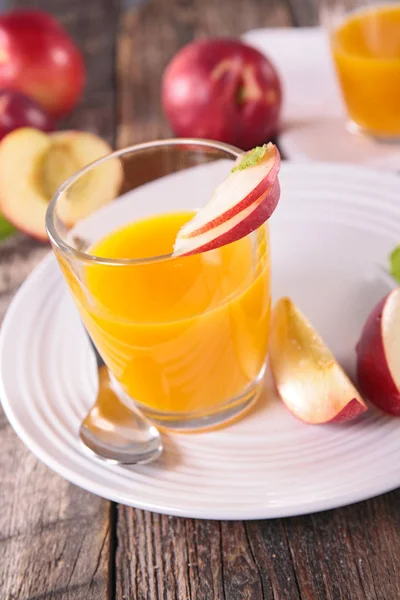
x,y
186,338
365,44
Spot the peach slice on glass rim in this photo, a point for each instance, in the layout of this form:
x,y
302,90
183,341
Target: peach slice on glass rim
x,y
309,380
240,204
378,355
33,164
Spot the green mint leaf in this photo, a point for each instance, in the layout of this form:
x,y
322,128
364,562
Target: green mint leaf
x,y
251,158
395,264
5,228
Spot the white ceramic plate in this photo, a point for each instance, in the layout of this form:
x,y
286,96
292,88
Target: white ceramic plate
x,y
314,117
331,236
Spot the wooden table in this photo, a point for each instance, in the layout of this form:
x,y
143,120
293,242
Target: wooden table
x,y
59,542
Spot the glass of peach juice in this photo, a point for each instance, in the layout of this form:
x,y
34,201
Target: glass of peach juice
x,y
365,43
185,338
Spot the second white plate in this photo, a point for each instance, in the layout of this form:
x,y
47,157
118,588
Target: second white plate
x,y
314,120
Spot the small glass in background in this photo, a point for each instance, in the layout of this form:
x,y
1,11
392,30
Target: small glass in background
x,y
365,44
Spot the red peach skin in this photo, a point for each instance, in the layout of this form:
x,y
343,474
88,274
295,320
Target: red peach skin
x,y
373,373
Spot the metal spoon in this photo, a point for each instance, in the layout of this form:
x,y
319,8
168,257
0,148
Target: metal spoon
x,y
114,432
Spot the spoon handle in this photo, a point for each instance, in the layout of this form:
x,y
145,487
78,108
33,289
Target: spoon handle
x,y
99,360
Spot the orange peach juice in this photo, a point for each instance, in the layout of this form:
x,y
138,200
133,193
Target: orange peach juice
x,y
181,335
366,50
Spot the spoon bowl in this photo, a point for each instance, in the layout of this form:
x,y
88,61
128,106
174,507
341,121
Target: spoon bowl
x,y
114,432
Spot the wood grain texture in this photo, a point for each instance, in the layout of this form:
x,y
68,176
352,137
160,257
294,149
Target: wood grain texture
x,y
346,554
305,12
352,552
55,539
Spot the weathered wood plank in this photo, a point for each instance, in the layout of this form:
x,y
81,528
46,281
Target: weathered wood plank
x,y
55,539
53,535
353,552
184,558
271,551
304,12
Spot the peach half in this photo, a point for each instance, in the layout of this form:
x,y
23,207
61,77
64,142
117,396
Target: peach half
x,y
33,164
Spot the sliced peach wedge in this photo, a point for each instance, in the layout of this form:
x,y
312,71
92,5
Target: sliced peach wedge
x,y
309,380
239,205
33,165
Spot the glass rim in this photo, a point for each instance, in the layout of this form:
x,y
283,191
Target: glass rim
x,y
65,248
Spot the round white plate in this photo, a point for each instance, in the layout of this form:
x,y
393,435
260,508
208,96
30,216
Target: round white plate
x,y
331,236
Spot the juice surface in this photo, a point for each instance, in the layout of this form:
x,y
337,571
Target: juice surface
x,y
366,50
184,334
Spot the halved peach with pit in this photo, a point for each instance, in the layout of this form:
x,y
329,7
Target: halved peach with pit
x,y
34,164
